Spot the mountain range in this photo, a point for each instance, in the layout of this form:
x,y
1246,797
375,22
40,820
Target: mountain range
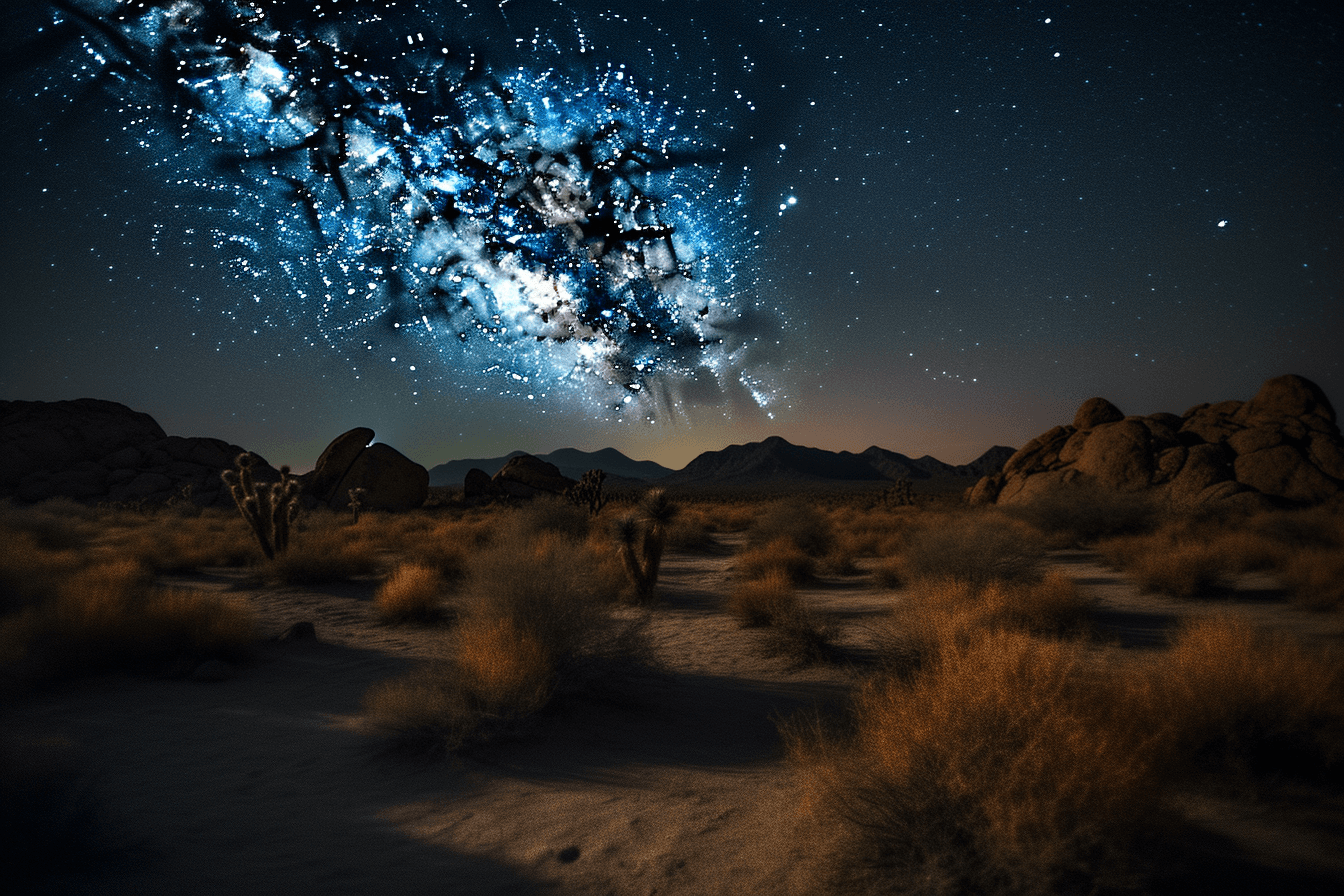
x,y
773,461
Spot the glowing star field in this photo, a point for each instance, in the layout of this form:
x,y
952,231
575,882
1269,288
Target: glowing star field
x,y
558,225
666,226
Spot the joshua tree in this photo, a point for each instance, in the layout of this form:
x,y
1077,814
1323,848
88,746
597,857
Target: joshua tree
x,y
357,496
642,536
588,492
268,509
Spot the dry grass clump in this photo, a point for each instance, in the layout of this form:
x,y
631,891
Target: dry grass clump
x,y
808,529
1007,764
538,620
325,548
1081,513
411,593
1316,577
762,600
977,548
1231,696
779,557
111,616
1171,565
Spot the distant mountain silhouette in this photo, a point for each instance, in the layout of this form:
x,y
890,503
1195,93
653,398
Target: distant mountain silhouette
x,y
776,461
571,461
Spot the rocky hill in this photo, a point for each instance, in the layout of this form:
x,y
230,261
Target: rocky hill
x,y
1282,447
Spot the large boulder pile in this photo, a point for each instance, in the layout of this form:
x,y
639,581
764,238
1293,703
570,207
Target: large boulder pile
x,y
93,450
100,451
1281,447
388,479
524,476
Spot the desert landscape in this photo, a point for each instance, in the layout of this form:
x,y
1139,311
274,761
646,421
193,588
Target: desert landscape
x,y
1107,662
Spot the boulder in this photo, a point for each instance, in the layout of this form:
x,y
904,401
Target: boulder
x,y
1094,412
1286,396
525,476
51,436
477,484
333,465
92,450
1282,447
390,479
1118,456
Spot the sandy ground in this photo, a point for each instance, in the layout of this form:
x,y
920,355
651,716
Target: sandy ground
x,y
265,783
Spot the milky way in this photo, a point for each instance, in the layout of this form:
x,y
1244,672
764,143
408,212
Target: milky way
x,y
474,178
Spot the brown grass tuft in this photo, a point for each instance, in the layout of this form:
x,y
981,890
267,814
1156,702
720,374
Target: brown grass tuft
x,y
1236,697
976,548
779,557
1167,565
1007,765
412,593
763,600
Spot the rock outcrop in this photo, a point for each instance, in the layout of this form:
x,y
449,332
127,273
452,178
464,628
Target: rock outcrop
x,y
390,479
526,476
100,451
93,450
1282,447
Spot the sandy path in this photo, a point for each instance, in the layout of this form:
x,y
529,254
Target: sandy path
x,y
263,783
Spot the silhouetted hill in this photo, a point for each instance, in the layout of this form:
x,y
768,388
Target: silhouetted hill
x,y
776,461
571,461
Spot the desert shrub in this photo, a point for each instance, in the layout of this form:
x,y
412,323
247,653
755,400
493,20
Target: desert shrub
x,y
30,571
537,620
547,513
1234,697
1007,765
1081,513
781,556
1315,576
807,528
760,601
411,593
975,548
692,532
1168,565
325,549
111,616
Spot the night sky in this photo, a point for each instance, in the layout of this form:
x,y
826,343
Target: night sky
x,y
666,226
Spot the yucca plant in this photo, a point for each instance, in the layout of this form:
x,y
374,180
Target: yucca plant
x,y
642,536
268,509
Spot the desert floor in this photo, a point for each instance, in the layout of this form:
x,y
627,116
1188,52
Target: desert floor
x,y
266,783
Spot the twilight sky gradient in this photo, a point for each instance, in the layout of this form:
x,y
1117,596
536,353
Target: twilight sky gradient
x,y
933,227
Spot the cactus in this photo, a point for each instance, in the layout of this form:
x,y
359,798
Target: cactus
x,y
357,496
588,492
268,509
642,537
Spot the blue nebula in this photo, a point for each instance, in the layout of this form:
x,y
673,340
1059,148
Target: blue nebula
x,y
550,222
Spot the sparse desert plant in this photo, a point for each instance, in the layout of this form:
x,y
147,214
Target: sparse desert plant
x,y
781,556
537,620
1315,576
269,509
762,600
412,592
1234,697
797,521
1007,765
977,548
358,497
327,552
642,538
111,616
1080,513
587,492
1167,565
